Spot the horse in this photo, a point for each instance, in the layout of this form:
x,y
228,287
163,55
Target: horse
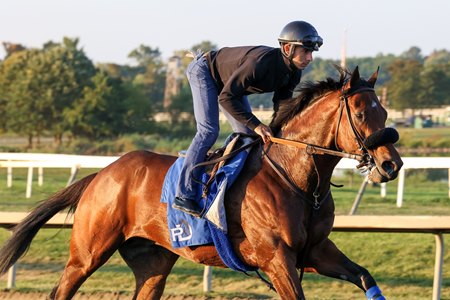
x,y
280,210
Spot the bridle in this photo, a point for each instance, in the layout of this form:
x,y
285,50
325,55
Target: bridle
x,y
314,149
366,159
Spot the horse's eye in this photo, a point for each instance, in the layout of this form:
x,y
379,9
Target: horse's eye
x,y
359,115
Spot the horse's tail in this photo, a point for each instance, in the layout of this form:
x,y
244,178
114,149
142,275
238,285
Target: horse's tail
x,y
25,231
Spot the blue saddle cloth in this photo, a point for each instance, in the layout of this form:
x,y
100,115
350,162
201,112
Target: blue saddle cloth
x,y
186,230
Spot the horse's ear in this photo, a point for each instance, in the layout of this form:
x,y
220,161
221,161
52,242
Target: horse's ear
x,y
355,77
373,78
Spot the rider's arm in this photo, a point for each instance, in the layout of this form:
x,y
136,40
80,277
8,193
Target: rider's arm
x,y
235,88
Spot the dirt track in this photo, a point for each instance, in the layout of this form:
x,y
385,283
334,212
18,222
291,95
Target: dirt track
x,y
5,295
11,295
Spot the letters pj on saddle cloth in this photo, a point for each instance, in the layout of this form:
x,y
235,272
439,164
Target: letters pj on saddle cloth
x,y
186,230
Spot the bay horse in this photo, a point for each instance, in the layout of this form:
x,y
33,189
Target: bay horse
x,y
279,211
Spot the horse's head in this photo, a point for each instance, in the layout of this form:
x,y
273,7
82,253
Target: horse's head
x,y
343,115
361,129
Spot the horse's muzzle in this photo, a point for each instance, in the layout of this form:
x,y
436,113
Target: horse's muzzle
x,y
386,171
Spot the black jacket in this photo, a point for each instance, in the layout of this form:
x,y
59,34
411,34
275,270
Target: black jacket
x,y
240,71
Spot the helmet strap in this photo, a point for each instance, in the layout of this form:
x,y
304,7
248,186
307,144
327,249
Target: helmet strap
x,y
289,55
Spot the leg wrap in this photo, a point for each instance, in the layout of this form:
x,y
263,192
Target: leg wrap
x,y
374,293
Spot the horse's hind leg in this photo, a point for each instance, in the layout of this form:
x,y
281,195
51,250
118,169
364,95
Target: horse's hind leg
x,y
151,264
88,252
326,259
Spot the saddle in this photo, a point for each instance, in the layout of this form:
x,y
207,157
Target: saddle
x,y
236,143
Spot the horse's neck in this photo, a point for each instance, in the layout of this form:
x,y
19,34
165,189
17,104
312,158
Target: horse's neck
x,y
315,126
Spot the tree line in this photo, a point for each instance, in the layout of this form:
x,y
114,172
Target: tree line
x,y
57,90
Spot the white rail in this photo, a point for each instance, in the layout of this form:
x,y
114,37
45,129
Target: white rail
x,y
75,162
41,161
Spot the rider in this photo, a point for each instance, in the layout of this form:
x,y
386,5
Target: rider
x,y
224,77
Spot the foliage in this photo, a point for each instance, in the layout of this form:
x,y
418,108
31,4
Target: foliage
x,y
39,87
182,103
17,95
404,88
151,74
435,85
95,114
419,82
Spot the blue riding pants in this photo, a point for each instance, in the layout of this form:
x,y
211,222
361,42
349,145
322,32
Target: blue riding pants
x,y
206,111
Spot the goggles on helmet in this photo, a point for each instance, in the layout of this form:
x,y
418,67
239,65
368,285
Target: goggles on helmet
x,y
311,43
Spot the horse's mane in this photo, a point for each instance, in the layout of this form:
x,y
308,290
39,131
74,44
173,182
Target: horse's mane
x,y
308,91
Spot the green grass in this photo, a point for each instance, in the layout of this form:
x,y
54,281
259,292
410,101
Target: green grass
x,y
403,264
425,137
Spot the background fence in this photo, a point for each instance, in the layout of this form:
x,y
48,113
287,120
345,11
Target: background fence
x,y
38,161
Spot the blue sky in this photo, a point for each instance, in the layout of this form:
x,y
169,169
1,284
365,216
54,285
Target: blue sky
x,y
109,30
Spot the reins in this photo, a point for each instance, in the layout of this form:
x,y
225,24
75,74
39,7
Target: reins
x,y
313,149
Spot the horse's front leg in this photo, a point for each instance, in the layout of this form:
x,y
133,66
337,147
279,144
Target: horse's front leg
x,y
326,259
284,275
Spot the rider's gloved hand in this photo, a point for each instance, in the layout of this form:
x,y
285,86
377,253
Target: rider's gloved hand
x,y
264,132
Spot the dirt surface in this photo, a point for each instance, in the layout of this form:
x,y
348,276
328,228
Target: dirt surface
x,y
43,296
12,295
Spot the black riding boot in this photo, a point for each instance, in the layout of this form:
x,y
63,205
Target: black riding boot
x,y
188,206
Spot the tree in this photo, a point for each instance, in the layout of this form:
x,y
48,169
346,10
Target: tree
x,y
417,82
40,87
413,53
100,112
435,84
124,72
181,103
151,73
320,69
66,71
186,58
438,57
138,115
404,88
17,95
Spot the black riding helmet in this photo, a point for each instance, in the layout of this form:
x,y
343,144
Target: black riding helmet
x,y
300,33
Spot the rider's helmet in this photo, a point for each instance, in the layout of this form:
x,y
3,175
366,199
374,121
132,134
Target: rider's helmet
x,y
300,33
